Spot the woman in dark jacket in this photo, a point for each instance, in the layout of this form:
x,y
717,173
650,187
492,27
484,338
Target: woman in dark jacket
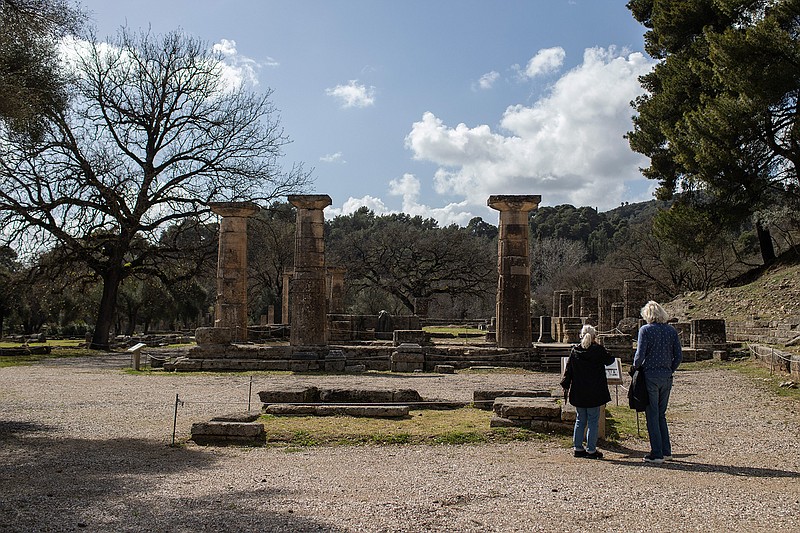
x,y
586,386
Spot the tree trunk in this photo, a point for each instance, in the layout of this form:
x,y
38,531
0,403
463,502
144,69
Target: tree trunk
x,y
105,314
765,243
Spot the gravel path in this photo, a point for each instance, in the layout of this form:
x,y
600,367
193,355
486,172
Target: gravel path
x,y
85,447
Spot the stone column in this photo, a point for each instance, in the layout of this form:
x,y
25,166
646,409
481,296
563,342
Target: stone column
x,y
231,303
634,295
286,314
576,301
589,310
335,289
309,309
617,314
557,302
606,297
514,270
564,301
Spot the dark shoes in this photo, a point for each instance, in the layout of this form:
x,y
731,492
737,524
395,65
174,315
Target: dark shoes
x,y
597,454
655,460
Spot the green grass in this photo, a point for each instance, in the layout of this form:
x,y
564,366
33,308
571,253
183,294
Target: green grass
x,y
60,349
431,427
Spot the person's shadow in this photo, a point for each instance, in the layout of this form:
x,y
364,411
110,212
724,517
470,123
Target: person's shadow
x,y
684,462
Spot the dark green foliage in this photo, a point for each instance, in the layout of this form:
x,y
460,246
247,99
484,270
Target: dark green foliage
x,y
32,84
409,257
720,112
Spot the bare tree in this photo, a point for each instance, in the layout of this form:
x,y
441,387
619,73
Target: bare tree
x,y
153,133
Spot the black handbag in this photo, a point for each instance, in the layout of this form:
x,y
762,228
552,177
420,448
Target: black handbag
x,y
638,399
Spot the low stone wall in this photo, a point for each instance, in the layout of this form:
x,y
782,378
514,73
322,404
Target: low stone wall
x,y
764,331
238,429
777,360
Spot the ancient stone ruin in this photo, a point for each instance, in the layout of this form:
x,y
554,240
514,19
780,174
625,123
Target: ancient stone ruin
x,y
323,338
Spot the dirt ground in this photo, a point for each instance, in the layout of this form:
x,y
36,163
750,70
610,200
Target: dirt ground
x,y
85,446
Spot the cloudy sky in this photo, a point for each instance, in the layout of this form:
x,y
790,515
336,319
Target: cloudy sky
x,y
430,106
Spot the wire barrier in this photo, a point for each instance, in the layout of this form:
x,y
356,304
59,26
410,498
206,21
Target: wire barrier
x,y
775,357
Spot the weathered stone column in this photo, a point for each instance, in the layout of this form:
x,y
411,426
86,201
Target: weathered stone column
x,y
231,303
514,270
557,302
335,288
308,309
286,314
576,301
564,301
634,295
606,297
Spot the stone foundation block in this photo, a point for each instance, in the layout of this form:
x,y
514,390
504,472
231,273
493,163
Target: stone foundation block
x,y
213,335
296,395
444,369
484,399
247,416
404,357
367,411
543,408
228,433
409,336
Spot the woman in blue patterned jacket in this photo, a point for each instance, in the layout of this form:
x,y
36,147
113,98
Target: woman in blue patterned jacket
x,y
658,354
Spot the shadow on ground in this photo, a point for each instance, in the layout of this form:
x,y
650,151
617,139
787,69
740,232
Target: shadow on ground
x,y
685,463
53,484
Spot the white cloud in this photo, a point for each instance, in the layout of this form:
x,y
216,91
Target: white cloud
x,y
351,205
237,69
353,94
545,61
408,187
487,81
568,146
337,157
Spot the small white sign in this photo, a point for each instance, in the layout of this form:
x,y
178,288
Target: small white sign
x,y
136,347
613,371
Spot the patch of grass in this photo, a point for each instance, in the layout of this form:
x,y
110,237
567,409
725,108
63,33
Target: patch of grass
x,y
460,437
466,425
57,352
621,423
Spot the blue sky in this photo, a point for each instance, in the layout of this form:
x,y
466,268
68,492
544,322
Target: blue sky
x,y
430,106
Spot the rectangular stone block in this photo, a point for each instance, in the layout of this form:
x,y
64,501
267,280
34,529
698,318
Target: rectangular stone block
x,y
404,357
543,408
291,395
228,433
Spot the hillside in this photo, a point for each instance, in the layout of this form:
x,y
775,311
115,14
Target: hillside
x,y
775,295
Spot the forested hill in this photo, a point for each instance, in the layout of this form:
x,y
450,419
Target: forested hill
x,y
600,232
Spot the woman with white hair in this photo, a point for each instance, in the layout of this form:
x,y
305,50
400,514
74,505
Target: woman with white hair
x,y
658,354
586,387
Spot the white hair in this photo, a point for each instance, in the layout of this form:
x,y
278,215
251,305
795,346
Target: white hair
x,y
588,334
653,312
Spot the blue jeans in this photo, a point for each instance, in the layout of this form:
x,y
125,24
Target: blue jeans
x,y
586,422
658,389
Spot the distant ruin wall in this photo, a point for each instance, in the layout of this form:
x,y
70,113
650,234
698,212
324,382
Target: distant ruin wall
x,y
763,331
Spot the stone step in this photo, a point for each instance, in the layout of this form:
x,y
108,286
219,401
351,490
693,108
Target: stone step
x,y
220,433
367,411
